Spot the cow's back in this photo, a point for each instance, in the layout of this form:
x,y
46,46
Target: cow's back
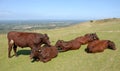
x,y
97,45
49,52
54,51
24,39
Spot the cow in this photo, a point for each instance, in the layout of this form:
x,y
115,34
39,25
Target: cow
x,y
25,39
99,46
87,38
45,53
76,43
67,45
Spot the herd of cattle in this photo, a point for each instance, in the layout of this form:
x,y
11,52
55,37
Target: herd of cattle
x,y
46,52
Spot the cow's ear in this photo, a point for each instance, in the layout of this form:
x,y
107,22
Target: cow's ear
x,y
59,41
62,40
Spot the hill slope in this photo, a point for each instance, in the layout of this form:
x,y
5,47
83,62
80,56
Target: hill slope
x,y
77,60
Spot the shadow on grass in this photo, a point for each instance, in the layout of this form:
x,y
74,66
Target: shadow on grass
x,y
23,52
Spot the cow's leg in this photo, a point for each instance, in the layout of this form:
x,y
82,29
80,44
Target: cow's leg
x,y
9,50
32,54
15,49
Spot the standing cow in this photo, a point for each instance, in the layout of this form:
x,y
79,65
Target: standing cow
x,y
25,39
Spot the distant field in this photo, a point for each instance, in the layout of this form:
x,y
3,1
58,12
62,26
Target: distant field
x,y
76,60
29,25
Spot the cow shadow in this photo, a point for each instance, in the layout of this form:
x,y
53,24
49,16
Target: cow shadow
x,y
23,52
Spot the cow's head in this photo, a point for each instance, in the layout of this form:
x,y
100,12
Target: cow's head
x,y
45,39
94,36
59,44
35,54
111,45
91,37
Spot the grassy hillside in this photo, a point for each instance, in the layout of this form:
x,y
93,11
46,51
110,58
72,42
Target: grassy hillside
x,y
76,60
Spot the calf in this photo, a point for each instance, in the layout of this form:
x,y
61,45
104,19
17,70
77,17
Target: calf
x,y
25,39
100,46
45,53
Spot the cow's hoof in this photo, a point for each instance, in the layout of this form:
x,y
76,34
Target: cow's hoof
x,y
9,57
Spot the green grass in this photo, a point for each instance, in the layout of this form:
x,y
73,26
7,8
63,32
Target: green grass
x,y
76,60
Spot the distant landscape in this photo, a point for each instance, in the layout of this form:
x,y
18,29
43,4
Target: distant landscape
x,y
28,25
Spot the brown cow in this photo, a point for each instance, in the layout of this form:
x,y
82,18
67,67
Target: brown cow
x,y
87,38
76,43
45,53
100,46
67,45
25,39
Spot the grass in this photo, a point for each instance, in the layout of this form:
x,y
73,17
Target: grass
x,y
76,60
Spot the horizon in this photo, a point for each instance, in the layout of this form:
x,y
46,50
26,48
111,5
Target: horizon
x,y
59,10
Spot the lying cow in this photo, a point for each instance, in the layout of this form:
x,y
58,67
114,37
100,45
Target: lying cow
x,y
45,53
87,38
100,46
76,43
25,39
67,45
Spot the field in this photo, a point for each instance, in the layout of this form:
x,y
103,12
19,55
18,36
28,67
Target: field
x,y
76,60
29,25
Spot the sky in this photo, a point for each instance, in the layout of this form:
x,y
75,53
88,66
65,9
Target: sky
x,y
59,9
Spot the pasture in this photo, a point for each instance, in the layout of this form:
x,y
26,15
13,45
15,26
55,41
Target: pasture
x,y
74,60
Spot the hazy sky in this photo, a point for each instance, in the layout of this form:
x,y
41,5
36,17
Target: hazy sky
x,y
58,9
